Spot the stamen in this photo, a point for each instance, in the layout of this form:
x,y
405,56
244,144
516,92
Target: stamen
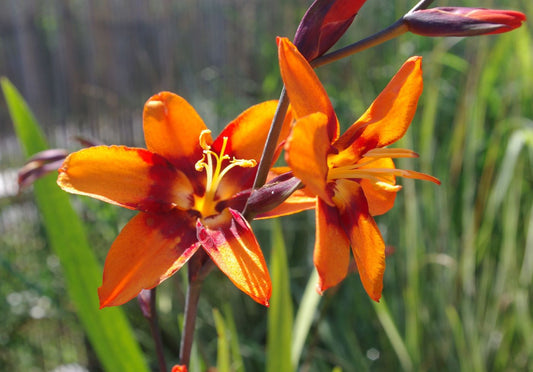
x,y
212,163
390,153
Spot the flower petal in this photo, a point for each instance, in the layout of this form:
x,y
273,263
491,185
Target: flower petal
x,y
247,135
236,252
380,200
306,153
306,93
148,250
130,177
332,247
389,116
172,128
367,244
248,132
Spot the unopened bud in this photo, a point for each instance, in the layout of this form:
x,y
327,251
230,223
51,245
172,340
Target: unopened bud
x,y
323,24
273,193
40,165
458,21
145,302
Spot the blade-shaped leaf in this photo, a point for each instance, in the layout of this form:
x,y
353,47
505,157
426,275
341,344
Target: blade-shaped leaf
x,y
280,312
108,330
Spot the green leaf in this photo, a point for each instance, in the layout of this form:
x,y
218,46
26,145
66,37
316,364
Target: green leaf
x,y
237,364
108,330
280,312
304,317
223,347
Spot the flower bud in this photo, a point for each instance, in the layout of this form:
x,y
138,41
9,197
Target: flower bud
x,y
271,194
458,21
145,299
40,165
323,24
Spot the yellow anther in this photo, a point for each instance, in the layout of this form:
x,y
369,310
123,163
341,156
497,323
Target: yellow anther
x,y
203,139
211,162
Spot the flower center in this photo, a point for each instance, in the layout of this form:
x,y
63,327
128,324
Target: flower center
x,y
212,163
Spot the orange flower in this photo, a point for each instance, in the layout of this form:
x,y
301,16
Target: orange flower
x,y
182,185
353,175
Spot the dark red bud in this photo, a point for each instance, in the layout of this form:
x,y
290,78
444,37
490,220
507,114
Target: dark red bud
x,y
39,165
273,193
145,302
458,21
323,24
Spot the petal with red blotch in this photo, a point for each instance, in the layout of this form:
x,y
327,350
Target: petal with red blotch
x,y
391,113
235,250
130,177
246,140
332,247
379,199
148,250
367,244
305,91
247,134
172,129
306,153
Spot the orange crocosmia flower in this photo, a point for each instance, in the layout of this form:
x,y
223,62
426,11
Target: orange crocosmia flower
x,y
182,185
353,175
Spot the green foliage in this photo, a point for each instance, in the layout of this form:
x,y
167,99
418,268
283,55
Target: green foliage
x,y
108,330
458,286
280,313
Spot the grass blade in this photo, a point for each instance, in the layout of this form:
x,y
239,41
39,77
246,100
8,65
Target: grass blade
x,y
108,330
280,312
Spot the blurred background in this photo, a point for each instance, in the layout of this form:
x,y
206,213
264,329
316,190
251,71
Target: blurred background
x,y
458,285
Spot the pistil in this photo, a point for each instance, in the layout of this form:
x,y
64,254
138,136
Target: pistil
x,y
211,162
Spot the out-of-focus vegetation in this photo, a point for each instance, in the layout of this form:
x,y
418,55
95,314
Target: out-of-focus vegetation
x,y
458,285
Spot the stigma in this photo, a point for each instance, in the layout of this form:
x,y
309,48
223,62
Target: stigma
x,y
216,166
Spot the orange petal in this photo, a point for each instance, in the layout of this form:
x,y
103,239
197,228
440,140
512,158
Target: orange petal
x,y
299,201
306,152
172,128
247,134
332,247
380,200
236,252
367,244
148,250
389,116
246,139
130,177
306,93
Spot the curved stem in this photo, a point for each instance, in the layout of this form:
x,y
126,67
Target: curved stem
x,y
396,29
271,142
156,334
191,307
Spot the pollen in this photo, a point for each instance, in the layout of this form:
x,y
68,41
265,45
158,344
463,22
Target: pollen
x,y
215,170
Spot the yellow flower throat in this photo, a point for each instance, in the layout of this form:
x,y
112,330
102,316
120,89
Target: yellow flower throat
x,y
211,162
